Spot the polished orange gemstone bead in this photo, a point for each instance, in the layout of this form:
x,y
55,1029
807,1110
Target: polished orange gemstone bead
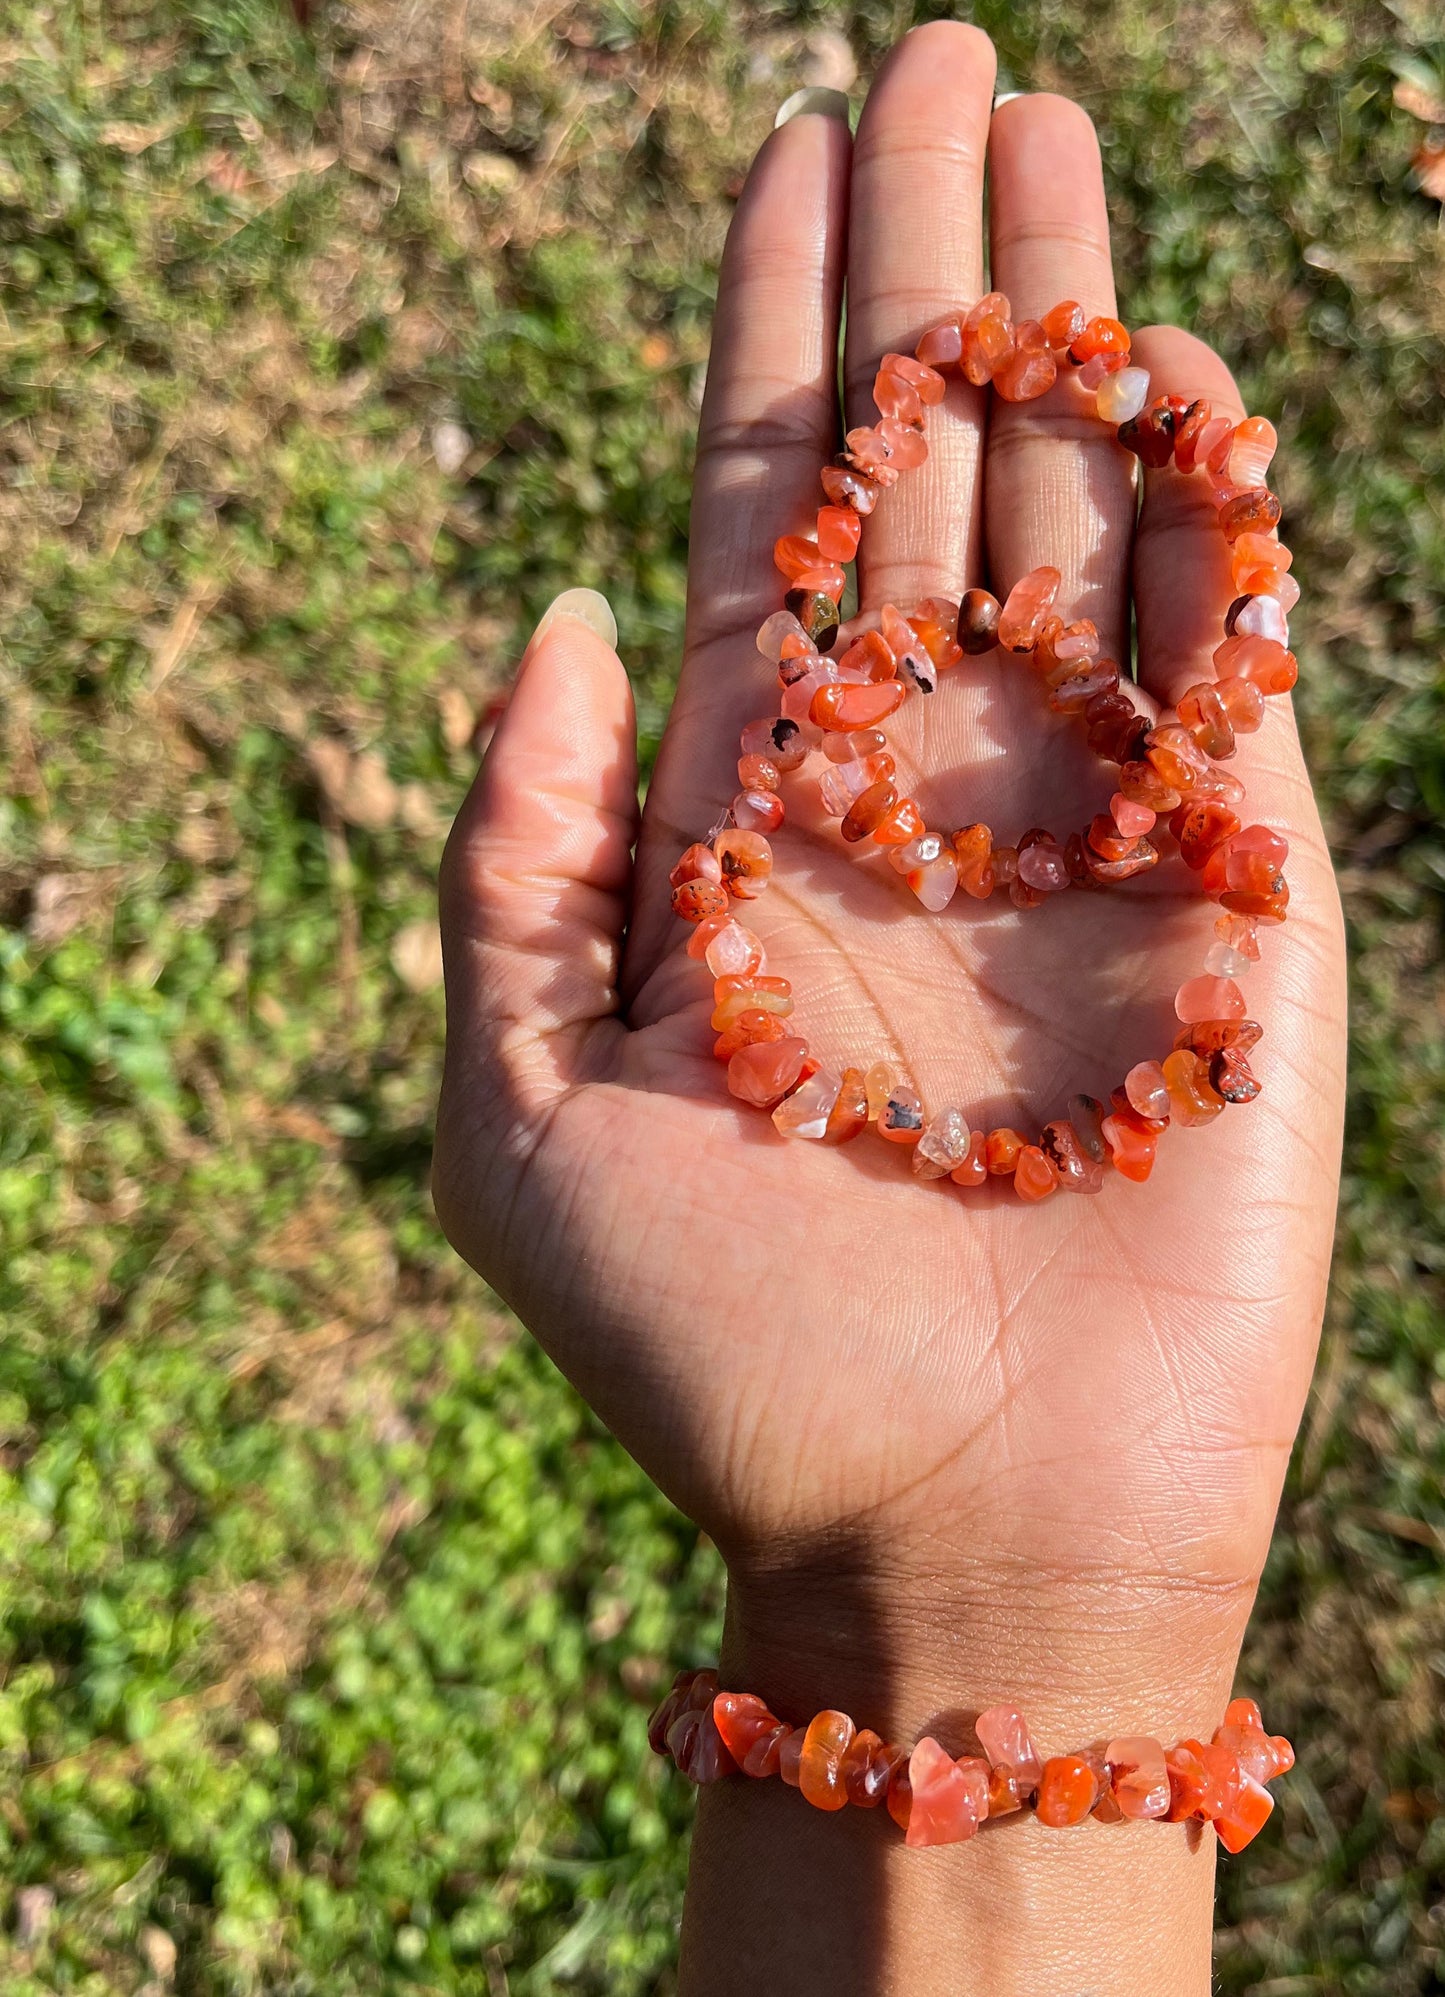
x,y
1272,666
1068,1790
696,863
1243,1733
1188,1781
1004,1737
743,1720
927,380
843,706
1133,820
763,1073
949,1798
1193,1100
1255,512
987,337
1176,756
846,487
896,397
978,615
1246,1816
1027,605
900,1119
1001,1150
1142,855
1203,713
1132,1145
734,996
701,935
1259,566
915,666
1187,433
794,554
1100,335
1034,1176
1243,704
839,530
1251,452
1230,1076
820,1773
1207,1036
902,823
758,810
868,1765
869,452
849,1114
1004,1793
1078,1172
869,657
731,950
973,846
755,773
1147,1091
1105,838
972,1170
1030,370
750,1026
1073,693
1209,998
747,863
1140,1776
935,623
1063,323
1200,828
696,900
868,810
942,345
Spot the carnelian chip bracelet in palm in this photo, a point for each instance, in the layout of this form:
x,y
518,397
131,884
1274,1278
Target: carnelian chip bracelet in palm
x,y
1169,770
936,1798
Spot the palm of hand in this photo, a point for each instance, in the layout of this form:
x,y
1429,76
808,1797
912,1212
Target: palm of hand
x,y
805,1346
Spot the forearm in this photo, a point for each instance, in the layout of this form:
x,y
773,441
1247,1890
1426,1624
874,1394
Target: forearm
x,y
782,1897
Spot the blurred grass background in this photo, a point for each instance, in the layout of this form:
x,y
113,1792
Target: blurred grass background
x,y
328,1618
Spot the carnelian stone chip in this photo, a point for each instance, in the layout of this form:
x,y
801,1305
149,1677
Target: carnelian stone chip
x,y
1068,1791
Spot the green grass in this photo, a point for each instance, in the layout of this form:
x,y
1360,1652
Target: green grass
x,y
328,1618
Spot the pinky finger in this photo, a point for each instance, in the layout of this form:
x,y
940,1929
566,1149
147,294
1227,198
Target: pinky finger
x,y
1182,583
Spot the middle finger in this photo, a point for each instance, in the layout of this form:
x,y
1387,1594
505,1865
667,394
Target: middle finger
x,y
915,252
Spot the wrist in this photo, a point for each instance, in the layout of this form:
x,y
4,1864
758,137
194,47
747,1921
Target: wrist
x,y
920,1650
1019,1910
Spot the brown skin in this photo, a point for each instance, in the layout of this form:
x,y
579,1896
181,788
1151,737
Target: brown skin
x,y
953,1449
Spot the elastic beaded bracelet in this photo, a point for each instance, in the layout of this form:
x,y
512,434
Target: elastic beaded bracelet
x,y
1170,791
937,1799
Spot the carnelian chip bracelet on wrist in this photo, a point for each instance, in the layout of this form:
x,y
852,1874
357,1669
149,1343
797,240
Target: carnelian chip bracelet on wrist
x,y
937,1799
1170,770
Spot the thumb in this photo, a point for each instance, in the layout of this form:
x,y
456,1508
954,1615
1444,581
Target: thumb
x,y
534,887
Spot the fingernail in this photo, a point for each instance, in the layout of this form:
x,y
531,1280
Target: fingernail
x,y
826,103
1007,97
585,606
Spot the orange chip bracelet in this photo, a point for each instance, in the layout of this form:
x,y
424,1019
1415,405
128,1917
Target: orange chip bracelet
x,y
937,1798
1169,795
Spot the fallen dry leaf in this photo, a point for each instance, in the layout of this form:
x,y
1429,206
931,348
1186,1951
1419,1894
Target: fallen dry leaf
x,y
135,139
1420,102
416,956
456,715
1429,165
357,788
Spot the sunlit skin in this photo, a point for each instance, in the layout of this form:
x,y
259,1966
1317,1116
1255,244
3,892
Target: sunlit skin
x,y
953,1449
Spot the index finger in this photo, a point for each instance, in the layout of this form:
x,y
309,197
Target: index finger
x,y
769,423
